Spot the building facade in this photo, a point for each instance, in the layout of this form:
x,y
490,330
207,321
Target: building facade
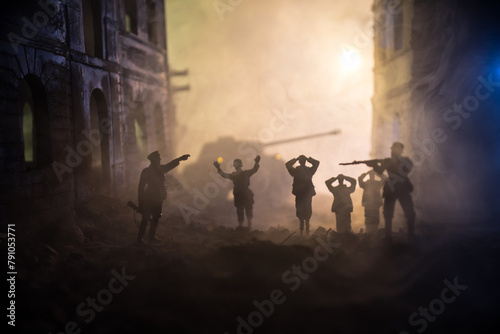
x,y
84,95
437,89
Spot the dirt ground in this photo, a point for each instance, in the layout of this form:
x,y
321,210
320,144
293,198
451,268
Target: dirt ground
x,y
207,278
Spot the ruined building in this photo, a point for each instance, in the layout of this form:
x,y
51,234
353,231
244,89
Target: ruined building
x,y
84,96
437,89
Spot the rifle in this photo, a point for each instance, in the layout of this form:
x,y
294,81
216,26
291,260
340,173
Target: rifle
x,y
136,209
133,206
367,162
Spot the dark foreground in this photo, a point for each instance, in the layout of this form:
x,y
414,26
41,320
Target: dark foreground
x,y
210,279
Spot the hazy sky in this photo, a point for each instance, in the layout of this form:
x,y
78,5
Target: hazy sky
x,y
258,59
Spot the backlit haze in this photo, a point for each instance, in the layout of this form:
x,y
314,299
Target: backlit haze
x,y
308,61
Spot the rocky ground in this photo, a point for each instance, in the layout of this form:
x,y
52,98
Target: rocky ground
x,y
89,276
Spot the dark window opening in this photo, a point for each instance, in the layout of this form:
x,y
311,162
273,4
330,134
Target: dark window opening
x,y
153,19
99,129
92,27
131,16
34,124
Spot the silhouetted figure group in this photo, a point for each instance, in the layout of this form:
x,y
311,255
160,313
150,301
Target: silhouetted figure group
x,y
396,186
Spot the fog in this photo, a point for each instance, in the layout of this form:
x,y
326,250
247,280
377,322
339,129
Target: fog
x,y
267,71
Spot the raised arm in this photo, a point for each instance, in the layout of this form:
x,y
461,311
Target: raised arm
x,y
174,163
255,166
314,163
220,171
329,183
289,165
361,180
352,181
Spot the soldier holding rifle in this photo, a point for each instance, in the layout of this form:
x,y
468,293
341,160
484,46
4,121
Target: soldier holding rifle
x,y
397,187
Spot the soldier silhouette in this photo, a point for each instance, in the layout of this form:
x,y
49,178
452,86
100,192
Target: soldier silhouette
x,y
372,199
152,193
303,188
243,196
397,187
342,202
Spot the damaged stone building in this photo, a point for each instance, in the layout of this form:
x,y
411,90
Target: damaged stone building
x,y
437,89
84,96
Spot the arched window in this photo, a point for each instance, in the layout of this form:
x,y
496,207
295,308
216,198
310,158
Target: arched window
x,y
131,16
34,123
92,27
28,130
99,129
141,134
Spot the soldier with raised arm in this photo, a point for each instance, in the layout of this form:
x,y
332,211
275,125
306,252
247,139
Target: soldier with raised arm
x,y
152,193
342,202
303,188
397,187
243,196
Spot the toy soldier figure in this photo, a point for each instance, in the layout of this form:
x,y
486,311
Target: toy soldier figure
x,y
152,193
342,202
396,187
243,196
372,199
303,188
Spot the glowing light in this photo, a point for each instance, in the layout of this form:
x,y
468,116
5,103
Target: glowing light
x,y
220,160
350,59
277,157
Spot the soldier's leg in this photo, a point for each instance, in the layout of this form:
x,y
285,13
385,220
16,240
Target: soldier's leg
x,y
308,211
372,219
249,213
347,218
299,211
240,211
142,230
407,205
146,213
389,204
154,224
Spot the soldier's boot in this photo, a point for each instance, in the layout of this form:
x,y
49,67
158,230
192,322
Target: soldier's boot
x,y
301,226
249,223
307,227
142,231
152,233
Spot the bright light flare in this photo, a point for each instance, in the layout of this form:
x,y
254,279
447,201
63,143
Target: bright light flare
x,y
220,160
350,60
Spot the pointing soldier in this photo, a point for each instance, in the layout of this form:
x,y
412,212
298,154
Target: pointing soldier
x,y
152,193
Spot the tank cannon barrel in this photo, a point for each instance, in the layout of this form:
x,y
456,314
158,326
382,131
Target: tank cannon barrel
x,y
289,140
